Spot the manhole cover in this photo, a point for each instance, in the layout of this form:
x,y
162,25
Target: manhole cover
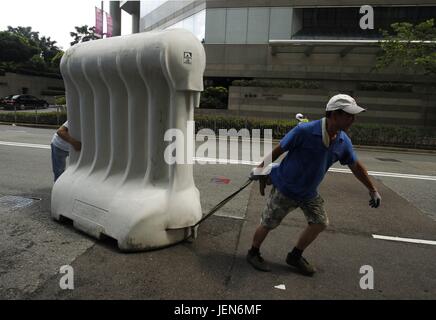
x,y
14,202
388,159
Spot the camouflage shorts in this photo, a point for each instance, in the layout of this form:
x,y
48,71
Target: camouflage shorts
x,y
278,206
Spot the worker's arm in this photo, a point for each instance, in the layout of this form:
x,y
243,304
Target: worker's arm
x,y
63,133
361,174
277,152
257,173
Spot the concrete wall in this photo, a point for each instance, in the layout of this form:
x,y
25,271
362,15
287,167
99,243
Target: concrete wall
x,y
324,63
414,109
13,83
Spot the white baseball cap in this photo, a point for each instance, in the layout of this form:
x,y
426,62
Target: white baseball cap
x,y
344,102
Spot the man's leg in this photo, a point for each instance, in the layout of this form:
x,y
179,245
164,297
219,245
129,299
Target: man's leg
x,y
277,207
295,257
259,236
309,234
317,222
58,158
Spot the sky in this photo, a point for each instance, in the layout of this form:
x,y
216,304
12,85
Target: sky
x,y
55,18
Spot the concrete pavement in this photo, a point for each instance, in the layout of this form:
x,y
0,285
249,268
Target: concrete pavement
x,y
214,266
34,247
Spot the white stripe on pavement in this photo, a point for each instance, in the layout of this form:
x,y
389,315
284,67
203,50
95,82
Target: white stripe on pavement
x,y
375,236
28,145
389,174
253,163
225,161
371,173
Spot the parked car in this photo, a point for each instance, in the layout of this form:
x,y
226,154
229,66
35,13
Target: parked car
x,y
24,101
3,100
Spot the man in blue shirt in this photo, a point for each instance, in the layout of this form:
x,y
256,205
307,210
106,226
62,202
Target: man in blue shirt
x,y
312,149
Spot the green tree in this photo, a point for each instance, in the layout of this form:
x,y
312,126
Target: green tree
x,y
83,34
47,49
214,97
15,48
56,60
406,48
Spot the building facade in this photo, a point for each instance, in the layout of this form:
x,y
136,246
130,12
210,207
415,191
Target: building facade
x,y
319,47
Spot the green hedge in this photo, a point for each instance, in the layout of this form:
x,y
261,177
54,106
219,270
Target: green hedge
x,y
361,134
50,118
279,127
385,135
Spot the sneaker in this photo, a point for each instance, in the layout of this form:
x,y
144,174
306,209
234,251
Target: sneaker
x,y
257,262
301,264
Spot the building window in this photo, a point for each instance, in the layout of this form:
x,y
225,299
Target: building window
x,y
344,22
195,23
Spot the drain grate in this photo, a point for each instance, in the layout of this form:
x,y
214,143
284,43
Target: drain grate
x,y
388,159
15,202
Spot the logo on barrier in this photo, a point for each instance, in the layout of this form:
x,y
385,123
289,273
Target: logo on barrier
x,y
187,57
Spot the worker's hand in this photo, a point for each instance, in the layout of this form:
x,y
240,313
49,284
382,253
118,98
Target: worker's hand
x,y
375,199
77,145
261,174
256,173
263,182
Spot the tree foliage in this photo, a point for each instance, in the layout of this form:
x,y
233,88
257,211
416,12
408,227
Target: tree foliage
x,y
23,48
83,34
15,48
399,47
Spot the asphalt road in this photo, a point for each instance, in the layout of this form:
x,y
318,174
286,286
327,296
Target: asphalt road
x,y
34,247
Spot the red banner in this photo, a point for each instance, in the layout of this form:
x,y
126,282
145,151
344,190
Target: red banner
x,y
108,25
98,21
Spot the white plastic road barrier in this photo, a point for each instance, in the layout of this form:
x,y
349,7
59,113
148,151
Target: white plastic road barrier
x,y
123,93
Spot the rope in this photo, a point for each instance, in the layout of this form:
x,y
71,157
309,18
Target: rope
x,y
215,209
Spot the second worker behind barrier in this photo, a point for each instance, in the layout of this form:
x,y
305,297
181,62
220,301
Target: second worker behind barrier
x,y
60,149
300,118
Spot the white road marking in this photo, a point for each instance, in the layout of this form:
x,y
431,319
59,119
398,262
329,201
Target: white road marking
x,y
228,216
389,174
225,161
253,163
371,173
375,236
27,145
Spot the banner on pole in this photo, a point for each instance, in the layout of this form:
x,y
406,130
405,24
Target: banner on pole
x,y
108,25
99,22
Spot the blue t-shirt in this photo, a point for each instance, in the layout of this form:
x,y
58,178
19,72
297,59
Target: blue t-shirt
x,y
302,170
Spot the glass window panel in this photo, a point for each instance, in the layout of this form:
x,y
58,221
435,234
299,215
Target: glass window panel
x,y
258,25
215,25
236,26
200,24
